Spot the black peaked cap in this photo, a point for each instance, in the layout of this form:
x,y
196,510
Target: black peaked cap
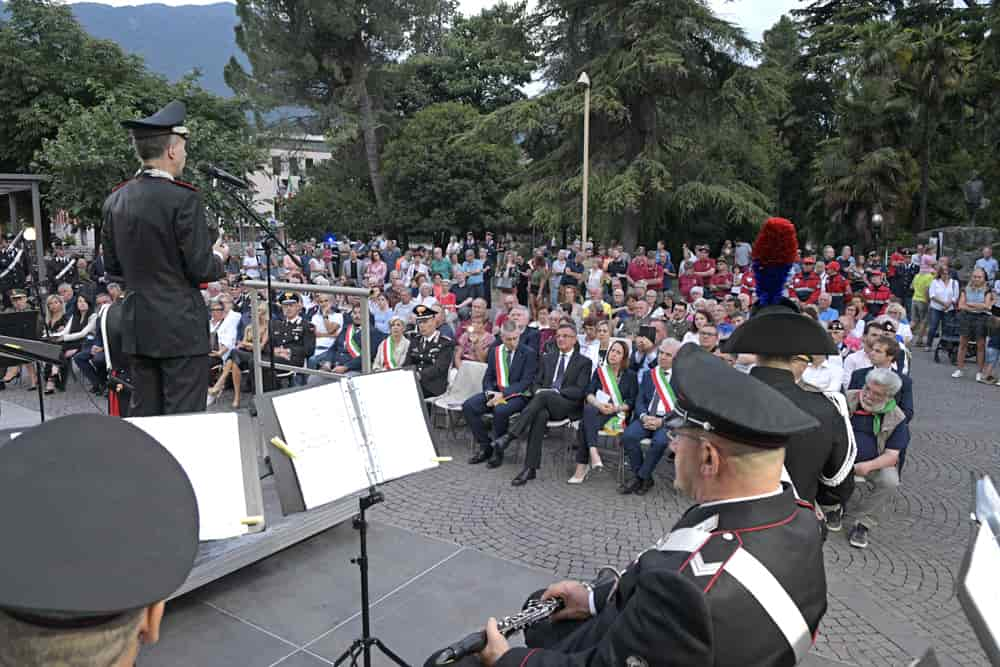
x,y
168,117
98,518
734,405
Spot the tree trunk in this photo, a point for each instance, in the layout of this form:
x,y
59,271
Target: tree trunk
x,y
925,173
862,229
630,230
370,136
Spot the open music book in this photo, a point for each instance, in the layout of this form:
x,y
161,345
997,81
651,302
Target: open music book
x,y
349,435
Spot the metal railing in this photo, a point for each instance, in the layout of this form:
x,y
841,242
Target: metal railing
x,y
276,287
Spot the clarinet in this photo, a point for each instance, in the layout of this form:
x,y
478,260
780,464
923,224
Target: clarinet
x,y
534,612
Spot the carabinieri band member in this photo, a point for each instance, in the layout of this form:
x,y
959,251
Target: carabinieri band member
x,y
738,581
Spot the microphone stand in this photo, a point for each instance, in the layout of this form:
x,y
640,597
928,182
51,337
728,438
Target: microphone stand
x,y
232,194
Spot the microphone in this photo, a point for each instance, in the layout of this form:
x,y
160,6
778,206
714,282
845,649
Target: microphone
x,y
221,175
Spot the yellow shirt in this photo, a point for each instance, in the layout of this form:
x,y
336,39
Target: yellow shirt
x,y
921,283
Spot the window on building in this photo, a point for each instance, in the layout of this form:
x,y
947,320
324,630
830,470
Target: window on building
x,y
293,166
309,164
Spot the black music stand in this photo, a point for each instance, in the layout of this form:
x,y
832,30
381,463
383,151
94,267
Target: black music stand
x,y
362,646
32,352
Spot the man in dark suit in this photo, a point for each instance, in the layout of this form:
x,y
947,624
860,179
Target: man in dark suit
x,y
352,270
155,236
560,387
344,356
510,370
749,555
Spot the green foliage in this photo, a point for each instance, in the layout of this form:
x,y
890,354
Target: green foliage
x,y
441,179
337,199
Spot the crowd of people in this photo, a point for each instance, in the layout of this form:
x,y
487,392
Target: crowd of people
x,y
585,333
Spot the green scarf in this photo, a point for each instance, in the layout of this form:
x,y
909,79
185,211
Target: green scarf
x,y
889,406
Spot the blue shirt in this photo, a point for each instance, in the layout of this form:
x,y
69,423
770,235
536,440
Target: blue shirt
x,y
829,315
867,444
469,267
990,266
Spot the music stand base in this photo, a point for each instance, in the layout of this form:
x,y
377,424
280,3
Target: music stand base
x,y
362,646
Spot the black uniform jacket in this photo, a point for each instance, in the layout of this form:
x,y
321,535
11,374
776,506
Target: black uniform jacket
x,y
759,566
819,462
155,237
431,358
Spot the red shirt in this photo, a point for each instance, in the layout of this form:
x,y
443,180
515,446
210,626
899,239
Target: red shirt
x,y
876,298
836,285
685,283
805,285
702,265
748,284
720,283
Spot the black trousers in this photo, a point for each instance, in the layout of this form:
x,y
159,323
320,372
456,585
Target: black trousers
x,y
543,407
475,407
169,386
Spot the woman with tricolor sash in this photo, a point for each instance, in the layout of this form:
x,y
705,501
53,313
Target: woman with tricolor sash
x,y
610,399
392,350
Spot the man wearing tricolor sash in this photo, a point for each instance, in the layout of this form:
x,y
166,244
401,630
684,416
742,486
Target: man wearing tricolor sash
x,y
510,370
346,350
656,401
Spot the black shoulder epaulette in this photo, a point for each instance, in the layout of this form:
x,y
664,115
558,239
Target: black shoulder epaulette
x,y
121,185
185,184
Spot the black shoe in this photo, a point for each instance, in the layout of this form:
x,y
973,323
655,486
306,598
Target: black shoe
x,y
523,477
631,487
3,385
501,442
858,537
835,520
483,455
497,459
647,484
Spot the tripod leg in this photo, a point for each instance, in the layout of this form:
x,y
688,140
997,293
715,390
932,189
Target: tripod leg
x,y
351,653
388,653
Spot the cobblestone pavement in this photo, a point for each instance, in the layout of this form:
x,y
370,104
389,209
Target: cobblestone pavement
x,y
886,603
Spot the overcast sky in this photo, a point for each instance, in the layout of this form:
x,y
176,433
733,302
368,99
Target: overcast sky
x,y
754,15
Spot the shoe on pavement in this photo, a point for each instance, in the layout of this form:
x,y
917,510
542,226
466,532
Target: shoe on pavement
x,y
979,377
523,477
647,484
957,373
858,537
497,459
501,442
484,454
835,520
580,480
631,487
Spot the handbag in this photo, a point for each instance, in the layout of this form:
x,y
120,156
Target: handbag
x,y
505,282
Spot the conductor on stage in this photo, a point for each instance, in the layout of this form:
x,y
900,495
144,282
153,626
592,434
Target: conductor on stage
x,y
91,549
155,237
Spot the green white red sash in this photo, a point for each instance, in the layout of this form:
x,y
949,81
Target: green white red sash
x,y
501,360
664,390
609,382
353,348
389,353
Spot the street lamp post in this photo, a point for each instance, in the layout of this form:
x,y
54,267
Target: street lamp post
x,y
584,81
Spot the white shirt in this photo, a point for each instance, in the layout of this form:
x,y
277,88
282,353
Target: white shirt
x,y
325,343
853,362
947,293
828,376
250,265
225,331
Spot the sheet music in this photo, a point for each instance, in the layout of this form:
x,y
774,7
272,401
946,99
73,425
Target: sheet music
x,y
207,446
330,462
397,430
980,581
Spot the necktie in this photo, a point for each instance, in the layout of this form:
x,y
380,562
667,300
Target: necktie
x,y
560,370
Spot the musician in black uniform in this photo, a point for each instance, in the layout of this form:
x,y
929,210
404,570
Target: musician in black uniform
x,y
101,533
293,338
739,580
12,263
820,464
430,352
155,236
60,267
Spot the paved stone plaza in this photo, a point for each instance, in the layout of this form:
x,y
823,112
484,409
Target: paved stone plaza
x,y
886,604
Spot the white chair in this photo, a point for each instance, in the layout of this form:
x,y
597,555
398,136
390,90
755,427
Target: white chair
x,y
467,383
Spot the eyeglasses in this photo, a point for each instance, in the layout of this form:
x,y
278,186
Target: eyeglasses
x,y
217,310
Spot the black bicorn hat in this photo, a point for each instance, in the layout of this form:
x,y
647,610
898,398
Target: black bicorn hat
x,y
168,120
780,331
423,312
99,519
289,297
719,399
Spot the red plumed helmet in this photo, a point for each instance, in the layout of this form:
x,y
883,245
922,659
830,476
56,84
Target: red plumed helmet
x,y
777,243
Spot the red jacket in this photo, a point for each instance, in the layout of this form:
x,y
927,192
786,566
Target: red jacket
x,y
876,298
805,285
748,284
836,285
720,283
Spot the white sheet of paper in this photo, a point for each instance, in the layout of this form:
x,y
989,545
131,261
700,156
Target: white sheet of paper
x,y
398,430
329,460
208,448
602,397
981,583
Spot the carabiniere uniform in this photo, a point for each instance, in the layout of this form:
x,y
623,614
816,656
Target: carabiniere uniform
x,y
298,335
736,582
61,269
430,356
